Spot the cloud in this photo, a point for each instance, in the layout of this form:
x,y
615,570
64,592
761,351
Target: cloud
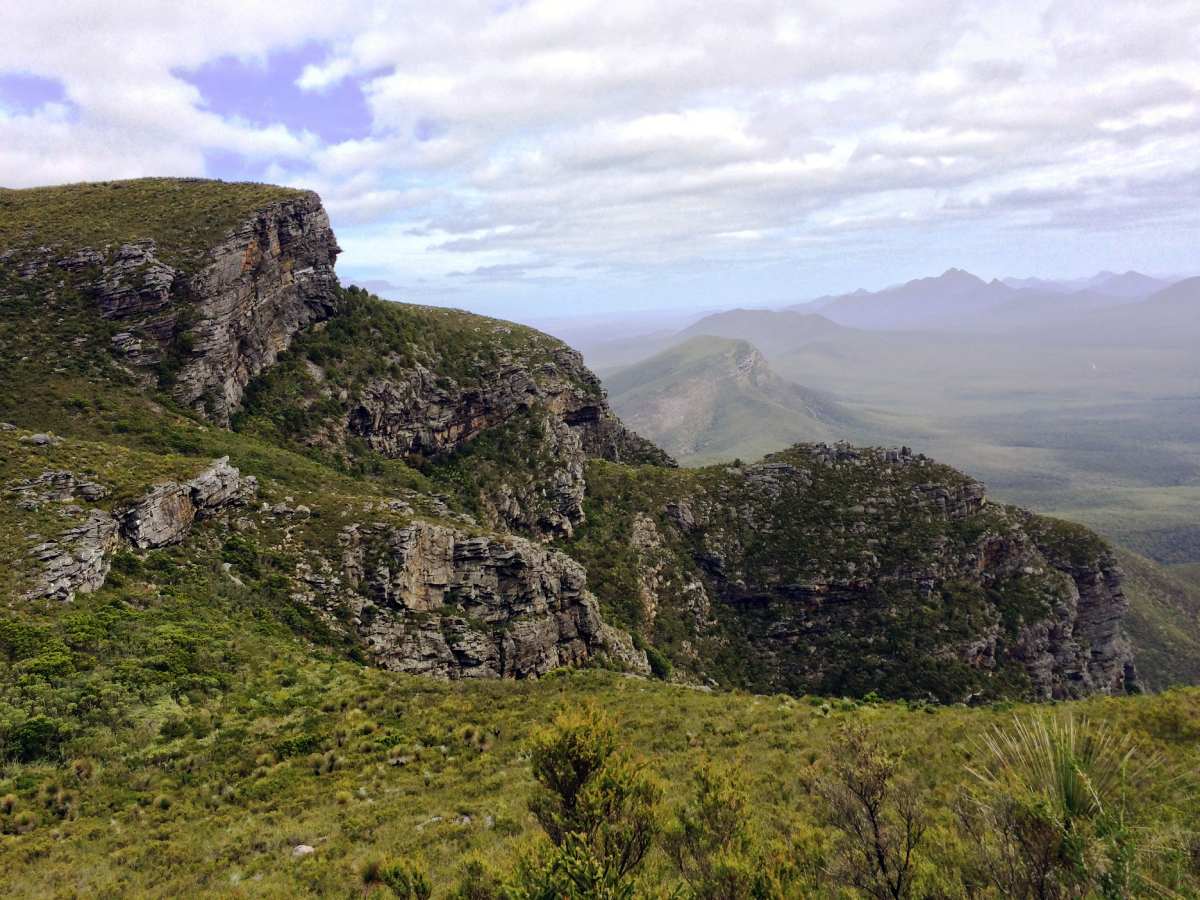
x,y
601,137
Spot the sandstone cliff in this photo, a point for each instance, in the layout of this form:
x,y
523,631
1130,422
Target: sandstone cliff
x,y
842,570
223,325
435,601
514,412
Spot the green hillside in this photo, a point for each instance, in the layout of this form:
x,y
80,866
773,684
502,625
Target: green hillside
x,y
711,399
1164,614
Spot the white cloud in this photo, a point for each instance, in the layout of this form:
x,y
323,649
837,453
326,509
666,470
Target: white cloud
x,y
553,134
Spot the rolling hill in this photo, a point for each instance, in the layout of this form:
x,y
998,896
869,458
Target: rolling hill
x,y
712,398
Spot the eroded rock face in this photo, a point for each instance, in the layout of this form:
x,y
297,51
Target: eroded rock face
x,y
218,328
849,570
544,498
430,414
78,560
165,515
435,601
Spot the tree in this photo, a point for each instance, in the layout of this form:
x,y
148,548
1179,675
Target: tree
x,y
712,844
595,804
880,817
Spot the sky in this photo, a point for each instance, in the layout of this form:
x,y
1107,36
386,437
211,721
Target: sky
x,y
568,158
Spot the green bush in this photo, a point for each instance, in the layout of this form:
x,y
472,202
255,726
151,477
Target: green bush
x,y
404,879
596,805
711,843
37,737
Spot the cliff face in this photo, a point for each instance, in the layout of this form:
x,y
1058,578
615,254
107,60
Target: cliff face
x,y
220,327
434,601
512,413
432,415
841,570
429,413
203,330
79,559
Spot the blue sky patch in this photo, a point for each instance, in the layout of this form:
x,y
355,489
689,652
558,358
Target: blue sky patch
x,y
266,94
21,92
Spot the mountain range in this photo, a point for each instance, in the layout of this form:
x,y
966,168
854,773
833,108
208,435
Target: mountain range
x,y
958,300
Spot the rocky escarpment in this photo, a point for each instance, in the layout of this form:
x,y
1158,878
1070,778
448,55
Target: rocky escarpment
x,y
433,600
207,331
79,559
841,570
562,413
431,413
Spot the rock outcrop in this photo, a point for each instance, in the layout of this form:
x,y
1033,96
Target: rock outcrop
x,y
166,514
79,559
212,331
843,570
432,600
433,415
430,413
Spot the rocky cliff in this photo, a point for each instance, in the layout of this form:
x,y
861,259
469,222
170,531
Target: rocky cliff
x,y
436,455
843,570
433,600
223,325
511,411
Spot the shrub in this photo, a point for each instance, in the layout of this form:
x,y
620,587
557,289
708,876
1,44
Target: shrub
x,y
36,738
660,666
476,882
595,804
403,878
880,818
711,843
573,869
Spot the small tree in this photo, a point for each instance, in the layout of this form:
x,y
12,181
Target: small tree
x,y
880,817
595,804
712,844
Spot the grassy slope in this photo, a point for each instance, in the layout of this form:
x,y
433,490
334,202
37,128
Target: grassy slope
x,y
185,216
693,401
1163,622
208,795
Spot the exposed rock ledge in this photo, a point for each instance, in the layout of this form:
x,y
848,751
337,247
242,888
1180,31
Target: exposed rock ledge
x,y
214,330
432,600
78,560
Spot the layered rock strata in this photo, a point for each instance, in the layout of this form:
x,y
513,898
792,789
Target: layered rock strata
x,y
432,600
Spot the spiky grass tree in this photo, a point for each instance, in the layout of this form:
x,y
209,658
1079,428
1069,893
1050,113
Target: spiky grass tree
x,y
1049,807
